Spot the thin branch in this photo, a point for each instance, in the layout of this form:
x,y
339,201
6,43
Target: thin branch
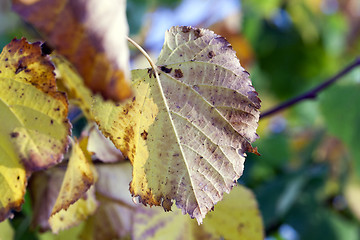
x,y
311,94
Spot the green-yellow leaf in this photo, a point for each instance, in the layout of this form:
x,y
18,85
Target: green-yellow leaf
x,y
187,132
73,233
33,120
236,217
6,230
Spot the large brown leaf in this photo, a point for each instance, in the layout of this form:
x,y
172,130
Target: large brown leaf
x,y
91,34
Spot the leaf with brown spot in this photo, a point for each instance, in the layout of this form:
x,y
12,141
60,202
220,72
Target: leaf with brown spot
x,y
62,199
79,177
33,135
200,119
91,34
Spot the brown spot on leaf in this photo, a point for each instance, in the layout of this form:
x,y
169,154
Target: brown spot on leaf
x,y
185,29
144,135
165,69
178,73
151,72
211,54
14,134
166,204
197,33
20,67
46,49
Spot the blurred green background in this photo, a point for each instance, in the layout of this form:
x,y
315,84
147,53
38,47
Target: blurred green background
x,y
307,179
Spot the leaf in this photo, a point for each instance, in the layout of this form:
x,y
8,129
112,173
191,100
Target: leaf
x,y
236,217
111,221
76,213
76,199
152,224
33,120
114,217
70,80
186,133
6,231
102,147
64,190
73,233
43,196
352,195
90,34
79,177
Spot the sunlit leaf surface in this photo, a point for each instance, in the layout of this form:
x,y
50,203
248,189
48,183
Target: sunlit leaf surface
x,y
187,132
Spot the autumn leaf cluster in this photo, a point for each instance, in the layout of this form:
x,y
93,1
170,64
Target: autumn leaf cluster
x,y
185,125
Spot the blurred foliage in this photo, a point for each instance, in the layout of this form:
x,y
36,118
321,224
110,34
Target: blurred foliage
x,y
310,153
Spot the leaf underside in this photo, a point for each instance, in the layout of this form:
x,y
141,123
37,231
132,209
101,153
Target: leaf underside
x,y
187,132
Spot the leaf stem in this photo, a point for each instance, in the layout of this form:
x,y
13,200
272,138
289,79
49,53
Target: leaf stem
x,y
152,64
312,93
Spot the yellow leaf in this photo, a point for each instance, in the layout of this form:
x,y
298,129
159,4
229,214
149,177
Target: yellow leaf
x,y
153,224
33,120
6,230
73,233
69,78
187,132
64,190
352,194
79,177
236,217
74,214
90,34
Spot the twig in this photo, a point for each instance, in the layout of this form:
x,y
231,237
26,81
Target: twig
x,y
311,94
